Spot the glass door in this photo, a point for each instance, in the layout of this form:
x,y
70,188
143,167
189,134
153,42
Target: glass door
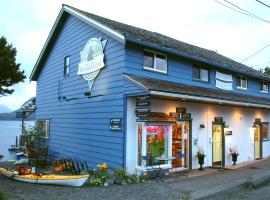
x,y
257,141
217,144
180,145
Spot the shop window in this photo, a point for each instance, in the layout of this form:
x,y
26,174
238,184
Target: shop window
x,y
265,130
241,82
66,65
199,73
264,86
156,142
155,61
44,128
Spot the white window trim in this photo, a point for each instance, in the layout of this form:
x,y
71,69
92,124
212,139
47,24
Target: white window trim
x,y
262,91
155,54
241,87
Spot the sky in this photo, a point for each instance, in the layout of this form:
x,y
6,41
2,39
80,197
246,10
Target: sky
x,y
208,24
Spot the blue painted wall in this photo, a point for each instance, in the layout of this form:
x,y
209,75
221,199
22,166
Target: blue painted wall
x,y
80,127
180,71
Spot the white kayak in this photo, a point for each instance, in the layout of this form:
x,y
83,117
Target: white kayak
x,y
49,179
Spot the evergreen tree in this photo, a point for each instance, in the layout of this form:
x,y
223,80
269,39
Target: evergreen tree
x,y
10,73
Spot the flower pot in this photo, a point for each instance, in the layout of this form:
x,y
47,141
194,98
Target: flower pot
x,y
201,161
234,158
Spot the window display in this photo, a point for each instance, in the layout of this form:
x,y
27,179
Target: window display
x,y
156,142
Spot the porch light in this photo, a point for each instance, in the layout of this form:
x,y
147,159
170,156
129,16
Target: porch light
x,y
202,126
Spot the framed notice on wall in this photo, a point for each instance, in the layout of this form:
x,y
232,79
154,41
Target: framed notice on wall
x,y
116,124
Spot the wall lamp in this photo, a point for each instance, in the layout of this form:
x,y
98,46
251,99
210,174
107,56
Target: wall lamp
x,y
202,126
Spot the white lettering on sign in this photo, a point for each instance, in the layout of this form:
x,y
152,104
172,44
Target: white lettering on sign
x,y
92,60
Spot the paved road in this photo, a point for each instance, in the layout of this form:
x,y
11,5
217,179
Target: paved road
x,y
244,193
171,188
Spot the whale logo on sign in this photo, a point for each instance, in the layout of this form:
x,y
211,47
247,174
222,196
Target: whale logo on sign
x,y
92,60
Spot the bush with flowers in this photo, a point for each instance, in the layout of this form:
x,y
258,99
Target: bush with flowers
x,y
104,176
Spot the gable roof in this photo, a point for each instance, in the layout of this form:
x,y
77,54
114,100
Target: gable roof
x,y
127,33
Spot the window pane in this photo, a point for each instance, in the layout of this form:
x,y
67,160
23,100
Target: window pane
x,y
148,59
238,81
265,130
264,86
66,65
157,142
244,82
196,72
43,128
204,75
161,62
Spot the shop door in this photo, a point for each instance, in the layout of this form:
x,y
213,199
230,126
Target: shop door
x,y
217,144
180,145
257,141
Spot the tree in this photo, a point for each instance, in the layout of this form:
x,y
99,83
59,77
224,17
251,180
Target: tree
x,y
267,71
10,73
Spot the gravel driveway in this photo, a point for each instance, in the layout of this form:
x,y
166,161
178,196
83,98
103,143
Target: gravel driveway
x,y
171,188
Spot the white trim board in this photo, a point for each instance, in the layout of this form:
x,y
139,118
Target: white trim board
x,y
206,99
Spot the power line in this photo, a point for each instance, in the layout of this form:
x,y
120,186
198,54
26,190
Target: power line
x,y
263,3
241,10
256,53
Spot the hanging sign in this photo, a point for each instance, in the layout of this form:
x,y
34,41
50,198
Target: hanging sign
x,y
116,124
21,114
185,116
143,98
181,110
92,60
258,120
224,81
143,105
218,119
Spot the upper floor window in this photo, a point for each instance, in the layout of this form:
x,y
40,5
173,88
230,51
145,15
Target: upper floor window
x,y
264,86
155,61
66,65
199,73
241,82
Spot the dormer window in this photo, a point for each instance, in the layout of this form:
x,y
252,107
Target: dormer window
x,y
264,86
241,82
155,61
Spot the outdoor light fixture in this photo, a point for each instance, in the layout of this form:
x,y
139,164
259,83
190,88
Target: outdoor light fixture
x,y
254,126
88,94
202,126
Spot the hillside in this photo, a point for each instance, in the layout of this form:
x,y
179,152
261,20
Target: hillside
x,y
4,109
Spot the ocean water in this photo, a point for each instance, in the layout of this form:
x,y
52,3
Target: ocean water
x,y
8,132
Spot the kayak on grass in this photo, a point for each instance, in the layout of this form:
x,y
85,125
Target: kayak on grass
x,y
49,179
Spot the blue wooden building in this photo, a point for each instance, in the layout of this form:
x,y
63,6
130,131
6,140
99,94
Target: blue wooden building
x,y
110,92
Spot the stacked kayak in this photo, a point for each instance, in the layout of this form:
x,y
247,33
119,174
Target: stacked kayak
x,y
49,179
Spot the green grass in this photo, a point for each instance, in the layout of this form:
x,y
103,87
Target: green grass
x,y
3,196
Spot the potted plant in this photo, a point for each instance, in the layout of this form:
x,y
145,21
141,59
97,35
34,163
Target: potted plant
x,y
200,156
234,153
